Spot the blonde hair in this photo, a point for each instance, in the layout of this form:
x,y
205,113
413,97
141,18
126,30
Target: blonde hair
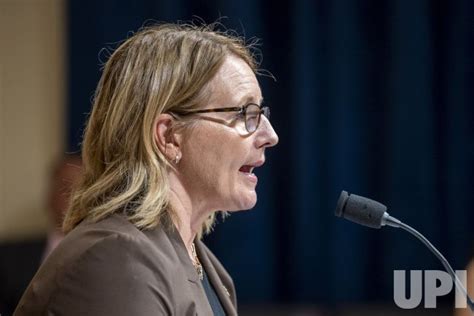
x,y
159,69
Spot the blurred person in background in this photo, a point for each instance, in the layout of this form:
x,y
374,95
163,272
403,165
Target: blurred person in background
x,y
469,288
176,130
20,260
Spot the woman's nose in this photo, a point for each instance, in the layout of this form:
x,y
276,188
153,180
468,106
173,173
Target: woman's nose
x,y
266,137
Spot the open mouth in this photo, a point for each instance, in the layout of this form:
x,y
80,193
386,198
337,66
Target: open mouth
x,y
246,169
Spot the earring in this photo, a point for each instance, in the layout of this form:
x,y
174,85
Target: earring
x,y
177,159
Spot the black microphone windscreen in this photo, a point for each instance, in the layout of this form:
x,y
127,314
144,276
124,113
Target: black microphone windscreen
x,y
360,210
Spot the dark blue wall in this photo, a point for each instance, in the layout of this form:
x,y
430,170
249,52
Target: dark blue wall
x,y
375,97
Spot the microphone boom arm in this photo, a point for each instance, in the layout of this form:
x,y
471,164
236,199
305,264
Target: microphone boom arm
x,y
370,213
427,243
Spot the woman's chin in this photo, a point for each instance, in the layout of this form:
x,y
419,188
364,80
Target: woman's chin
x,y
246,202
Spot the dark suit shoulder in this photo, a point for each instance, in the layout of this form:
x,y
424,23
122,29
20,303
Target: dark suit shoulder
x,y
28,245
18,255
19,261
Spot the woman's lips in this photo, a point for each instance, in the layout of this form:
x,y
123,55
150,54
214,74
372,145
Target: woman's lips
x,y
250,176
247,170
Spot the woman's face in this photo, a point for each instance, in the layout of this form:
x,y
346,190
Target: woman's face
x,y
218,154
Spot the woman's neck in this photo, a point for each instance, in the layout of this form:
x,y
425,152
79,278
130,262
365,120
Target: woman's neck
x,y
189,219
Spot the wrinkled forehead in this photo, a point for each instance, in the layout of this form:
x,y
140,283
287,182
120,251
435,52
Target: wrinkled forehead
x,y
235,84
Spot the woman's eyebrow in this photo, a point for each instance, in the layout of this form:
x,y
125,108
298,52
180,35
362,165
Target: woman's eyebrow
x,y
250,99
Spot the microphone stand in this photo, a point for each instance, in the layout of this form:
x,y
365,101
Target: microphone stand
x,y
392,221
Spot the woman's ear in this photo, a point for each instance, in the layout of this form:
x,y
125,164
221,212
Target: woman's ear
x,y
167,140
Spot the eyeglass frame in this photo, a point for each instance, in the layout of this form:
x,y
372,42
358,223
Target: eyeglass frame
x,y
265,110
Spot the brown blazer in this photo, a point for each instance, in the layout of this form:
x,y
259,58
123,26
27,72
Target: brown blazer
x,y
112,268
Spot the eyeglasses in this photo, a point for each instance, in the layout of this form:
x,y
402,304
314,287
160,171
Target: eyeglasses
x,y
251,112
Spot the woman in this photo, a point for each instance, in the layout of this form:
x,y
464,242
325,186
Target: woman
x,y
175,133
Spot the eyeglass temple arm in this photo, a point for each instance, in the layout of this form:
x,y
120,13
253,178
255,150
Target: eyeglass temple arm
x,y
240,109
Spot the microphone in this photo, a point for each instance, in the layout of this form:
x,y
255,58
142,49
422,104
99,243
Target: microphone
x,y
364,211
367,212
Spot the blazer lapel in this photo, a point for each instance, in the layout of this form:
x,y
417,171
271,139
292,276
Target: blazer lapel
x,y
221,291
182,253
159,236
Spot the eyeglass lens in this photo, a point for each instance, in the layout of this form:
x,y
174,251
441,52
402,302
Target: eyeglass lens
x,y
252,116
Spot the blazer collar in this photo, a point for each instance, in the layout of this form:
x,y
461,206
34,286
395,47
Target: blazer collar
x,y
175,238
214,279
182,253
162,235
